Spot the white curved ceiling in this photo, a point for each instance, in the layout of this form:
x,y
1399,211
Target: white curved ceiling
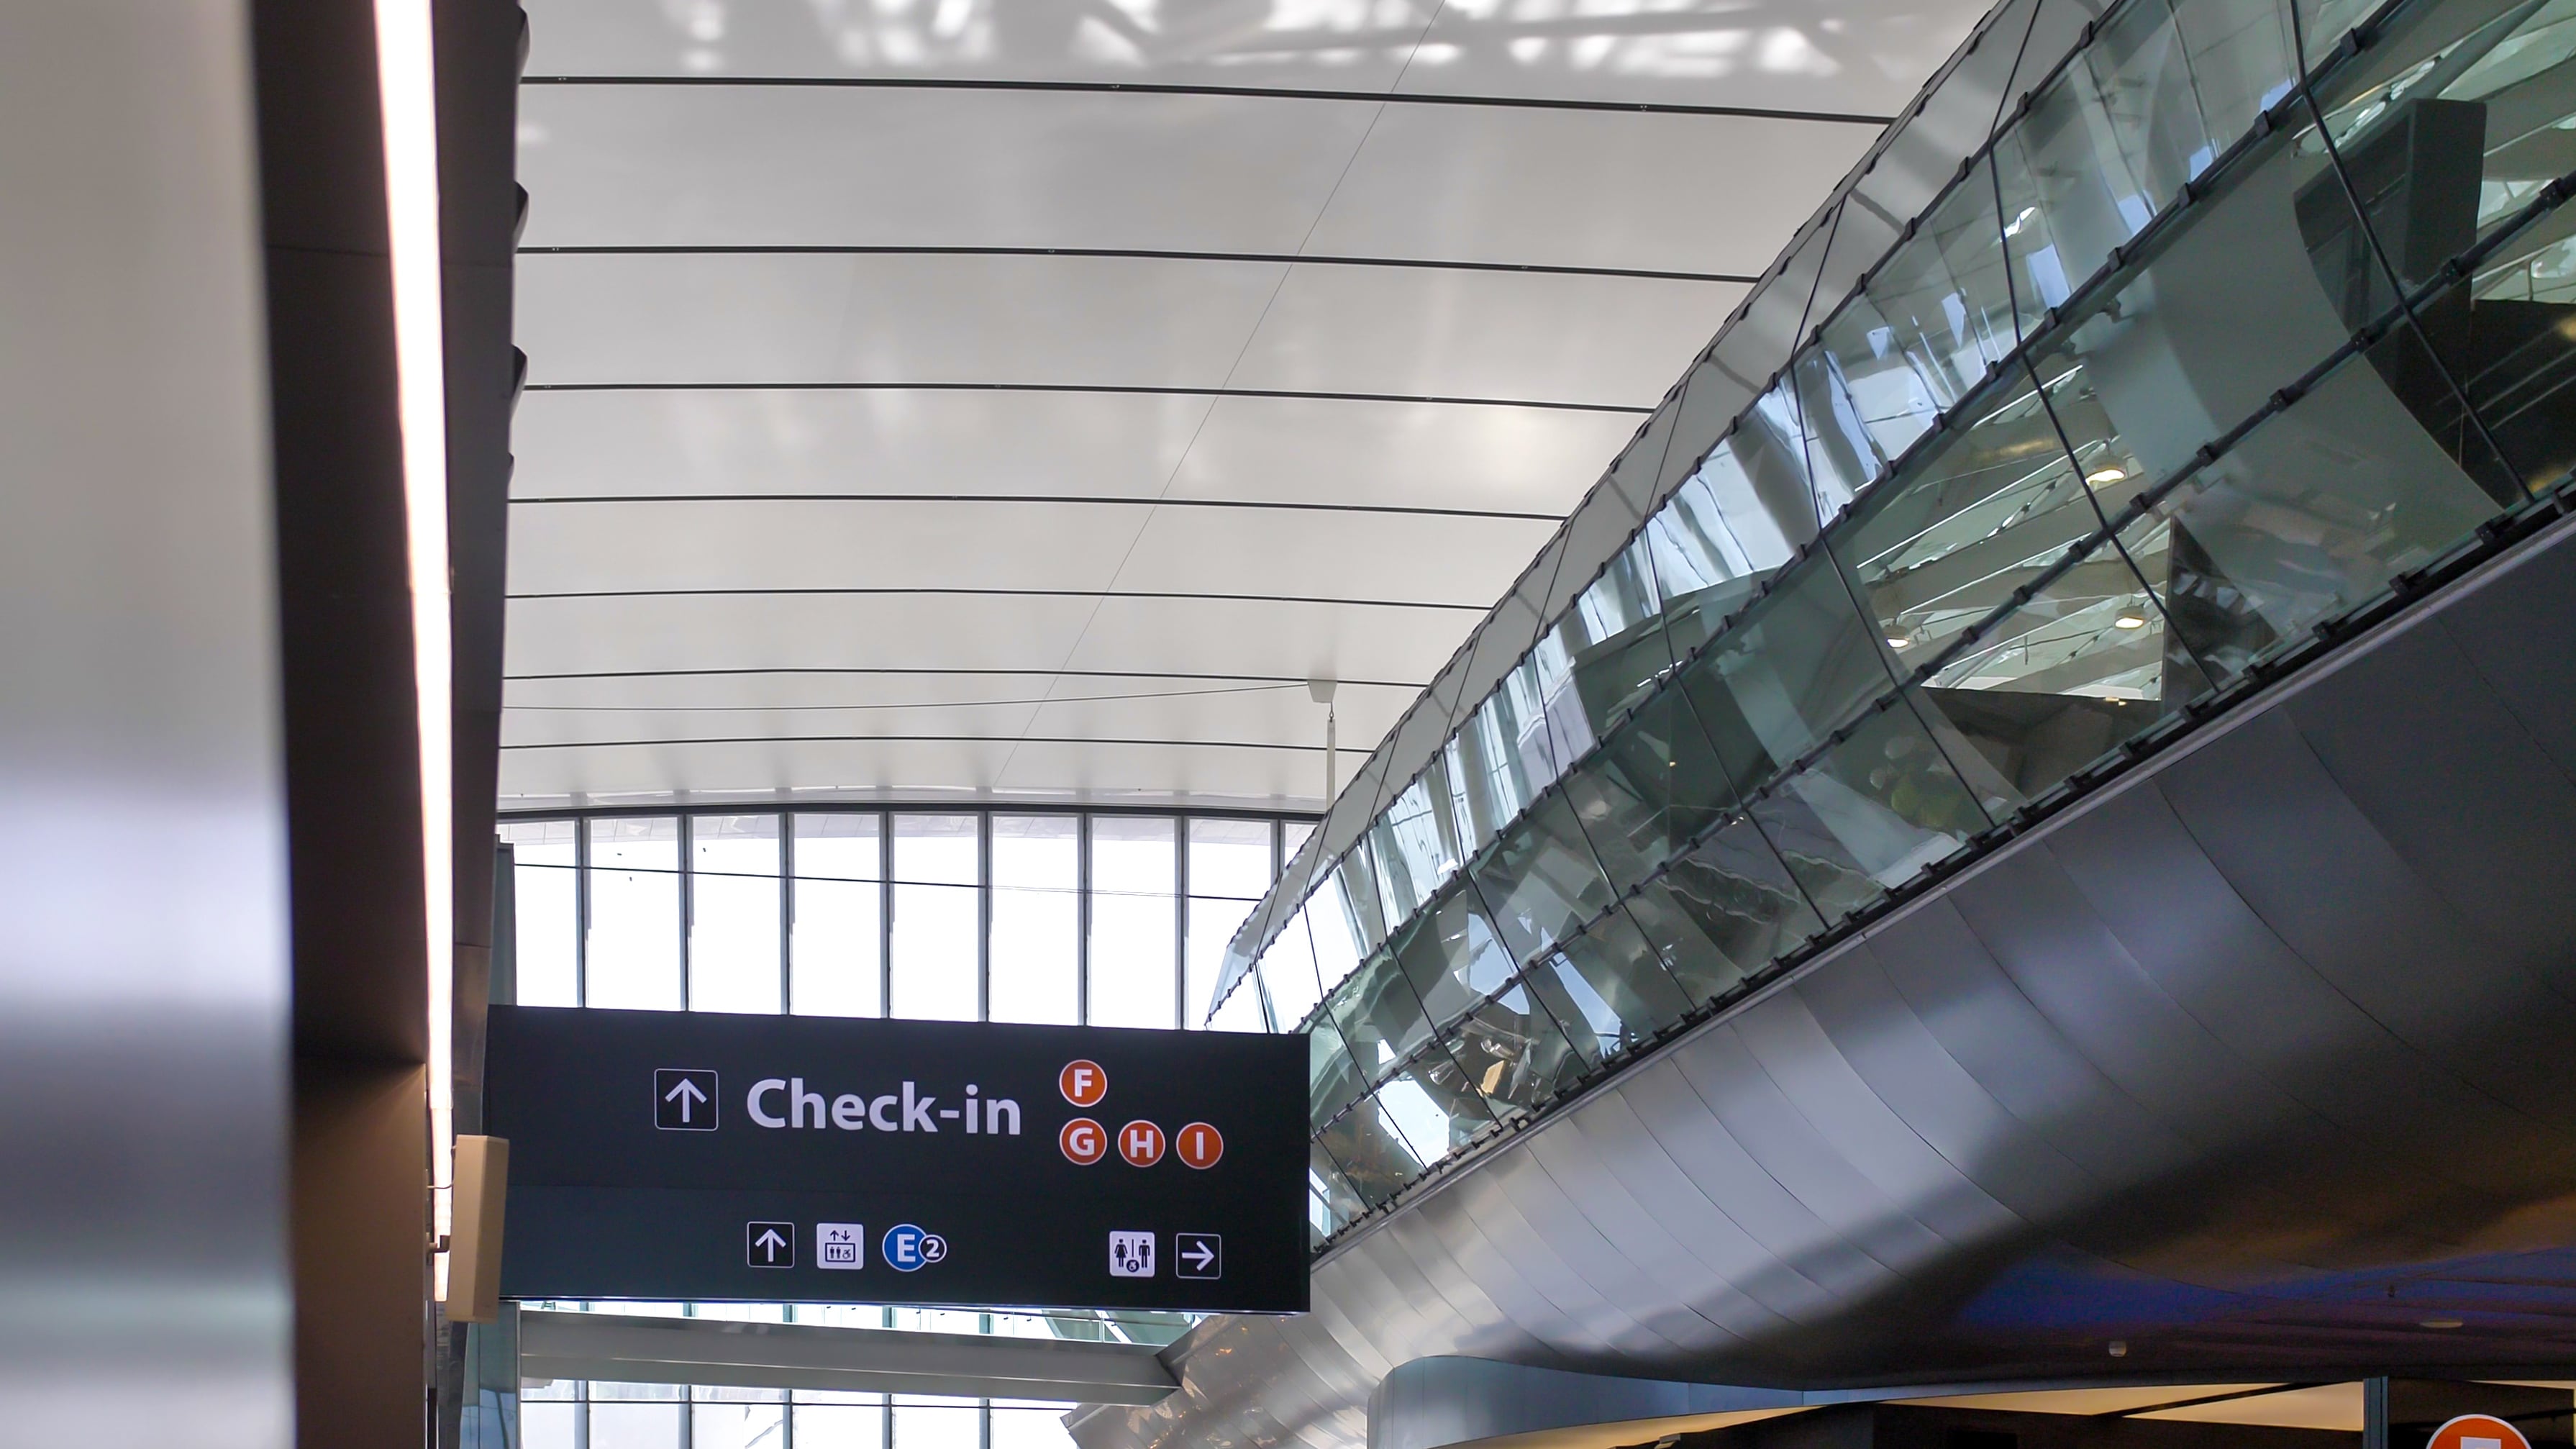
x,y
1024,398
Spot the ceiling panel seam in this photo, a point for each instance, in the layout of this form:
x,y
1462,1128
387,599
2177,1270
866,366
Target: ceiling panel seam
x,y
790,249
1124,389
1004,593
1419,98
1110,500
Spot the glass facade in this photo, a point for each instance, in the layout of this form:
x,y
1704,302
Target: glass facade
x,y
2238,320
1107,918
575,1414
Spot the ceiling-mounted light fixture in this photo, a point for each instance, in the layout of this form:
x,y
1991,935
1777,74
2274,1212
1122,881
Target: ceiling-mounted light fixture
x,y
2439,1323
2107,473
2013,228
2129,619
407,94
1900,641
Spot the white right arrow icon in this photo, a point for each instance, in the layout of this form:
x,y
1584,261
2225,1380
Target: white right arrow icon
x,y
687,1095
1199,1255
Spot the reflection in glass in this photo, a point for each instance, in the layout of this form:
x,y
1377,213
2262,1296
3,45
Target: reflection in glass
x,y
1997,503
2312,513
1380,1017
632,955
733,914
937,913
1723,912
1509,1049
1626,978
1870,814
837,939
1801,662
1541,881
1135,924
1452,957
545,891
1229,868
1037,919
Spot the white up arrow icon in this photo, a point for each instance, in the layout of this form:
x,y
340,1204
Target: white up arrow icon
x,y
770,1243
687,1095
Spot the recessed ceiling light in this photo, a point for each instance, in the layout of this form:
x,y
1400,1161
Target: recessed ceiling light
x,y
2130,619
2439,1323
1899,641
2107,473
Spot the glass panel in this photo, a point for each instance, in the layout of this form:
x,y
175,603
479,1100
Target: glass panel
x,y
1332,1077
1037,919
1245,1009
733,914
1841,456
1645,791
1024,1429
1375,1158
937,917
2050,687
1614,638
1337,945
637,1426
1627,975
838,936
1432,1103
1229,868
1330,1203
544,891
1944,547
925,1421
1540,881
1452,957
1379,1015
1716,539
2451,149
1723,912
2520,371
2069,195
738,1426
1288,974
1134,923
1942,301
632,958
1802,662
1292,838
1502,756
549,1426
2309,515
1871,814
1510,1050
1354,887
839,1426
1411,857
2193,340
1891,397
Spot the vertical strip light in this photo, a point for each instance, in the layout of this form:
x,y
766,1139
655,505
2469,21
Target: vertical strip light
x,y
406,84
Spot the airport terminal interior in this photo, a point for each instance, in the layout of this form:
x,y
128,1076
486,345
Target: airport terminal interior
x,y
1956,826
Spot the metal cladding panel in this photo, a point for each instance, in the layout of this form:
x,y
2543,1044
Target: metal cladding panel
x,y
2247,1060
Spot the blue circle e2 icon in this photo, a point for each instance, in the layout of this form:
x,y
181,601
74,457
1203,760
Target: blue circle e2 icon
x,y
907,1248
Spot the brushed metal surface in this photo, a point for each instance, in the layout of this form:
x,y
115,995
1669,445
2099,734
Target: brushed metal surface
x,y
2253,1061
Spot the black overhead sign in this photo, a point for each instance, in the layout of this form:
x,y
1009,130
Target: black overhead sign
x,y
680,1155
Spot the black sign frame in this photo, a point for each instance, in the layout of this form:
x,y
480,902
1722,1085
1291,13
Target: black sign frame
x,y
855,1130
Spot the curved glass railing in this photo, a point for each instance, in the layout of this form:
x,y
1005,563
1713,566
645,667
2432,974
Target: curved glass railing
x,y
2247,318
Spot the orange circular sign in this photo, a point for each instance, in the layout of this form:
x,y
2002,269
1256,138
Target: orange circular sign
x,y
2478,1431
1199,1145
1141,1143
1082,1141
1082,1083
